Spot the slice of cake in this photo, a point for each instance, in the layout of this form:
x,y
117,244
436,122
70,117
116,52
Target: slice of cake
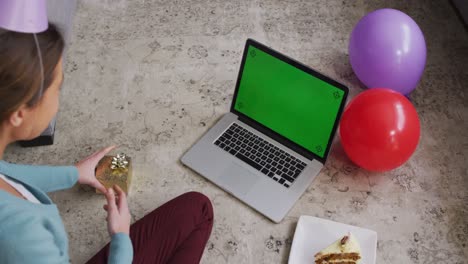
x,y
345,250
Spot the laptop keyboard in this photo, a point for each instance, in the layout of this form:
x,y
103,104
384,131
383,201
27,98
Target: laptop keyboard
x,y
260,154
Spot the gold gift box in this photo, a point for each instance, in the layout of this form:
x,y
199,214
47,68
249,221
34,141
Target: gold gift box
x,y
118,176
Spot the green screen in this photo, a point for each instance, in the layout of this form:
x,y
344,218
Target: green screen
x,y
288,100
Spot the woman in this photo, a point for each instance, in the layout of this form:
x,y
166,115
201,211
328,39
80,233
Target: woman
x,y
31,230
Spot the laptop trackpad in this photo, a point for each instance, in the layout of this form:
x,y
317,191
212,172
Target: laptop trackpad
x,y
237,179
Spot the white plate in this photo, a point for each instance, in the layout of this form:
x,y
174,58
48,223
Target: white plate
x,y
314,234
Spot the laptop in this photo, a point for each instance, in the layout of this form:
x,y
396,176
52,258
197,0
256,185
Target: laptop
x,y
275,140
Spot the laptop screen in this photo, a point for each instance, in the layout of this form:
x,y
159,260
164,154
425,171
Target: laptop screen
x,y
288,100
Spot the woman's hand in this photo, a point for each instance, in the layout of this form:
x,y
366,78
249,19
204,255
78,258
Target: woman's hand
x,y
118,215
87,167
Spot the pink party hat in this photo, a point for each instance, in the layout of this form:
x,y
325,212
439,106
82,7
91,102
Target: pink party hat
x,y
26,16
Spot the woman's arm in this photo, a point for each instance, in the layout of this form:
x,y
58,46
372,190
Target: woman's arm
x,y
46,178
121,249
54,178
118,225
87,167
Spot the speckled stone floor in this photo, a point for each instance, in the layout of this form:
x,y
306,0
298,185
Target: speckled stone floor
x,y
153,76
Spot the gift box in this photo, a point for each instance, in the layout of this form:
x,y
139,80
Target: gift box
x,y
115,170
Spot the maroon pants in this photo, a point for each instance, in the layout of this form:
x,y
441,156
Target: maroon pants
x,y
176,232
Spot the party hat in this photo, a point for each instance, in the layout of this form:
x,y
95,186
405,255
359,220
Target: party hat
x,y
26,16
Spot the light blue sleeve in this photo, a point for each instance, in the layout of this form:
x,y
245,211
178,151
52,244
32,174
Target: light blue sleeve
x,y
121,249
46,178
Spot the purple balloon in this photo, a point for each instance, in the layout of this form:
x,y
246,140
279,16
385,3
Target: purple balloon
x,y
387,49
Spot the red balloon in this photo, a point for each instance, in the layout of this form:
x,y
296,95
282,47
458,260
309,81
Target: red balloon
x,y
379,129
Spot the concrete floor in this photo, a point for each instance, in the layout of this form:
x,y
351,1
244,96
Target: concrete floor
x,y
153,76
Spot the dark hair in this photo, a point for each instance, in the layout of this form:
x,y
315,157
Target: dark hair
x,y
20,70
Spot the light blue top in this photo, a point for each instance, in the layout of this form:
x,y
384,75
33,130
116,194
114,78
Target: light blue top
x,y
34,233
